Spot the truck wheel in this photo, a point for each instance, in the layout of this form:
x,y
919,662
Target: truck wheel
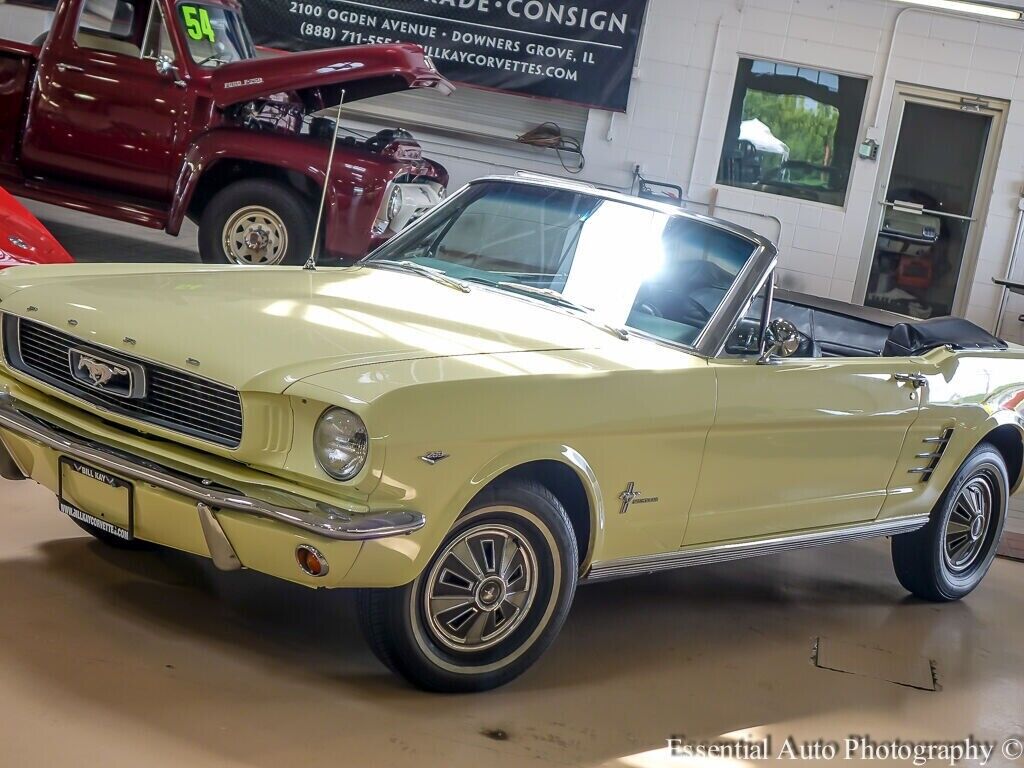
x,y
949,557
488,604
256,222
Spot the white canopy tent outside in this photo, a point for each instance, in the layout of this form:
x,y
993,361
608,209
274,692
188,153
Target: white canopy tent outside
x,y
761,136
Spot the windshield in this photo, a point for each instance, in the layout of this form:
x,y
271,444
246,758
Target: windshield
x,y
626,265
215,35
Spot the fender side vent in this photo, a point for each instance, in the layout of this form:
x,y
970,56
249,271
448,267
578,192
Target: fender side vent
x,y
937,447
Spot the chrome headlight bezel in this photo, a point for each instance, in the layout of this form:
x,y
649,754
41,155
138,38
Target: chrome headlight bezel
x,y
396,202
341,443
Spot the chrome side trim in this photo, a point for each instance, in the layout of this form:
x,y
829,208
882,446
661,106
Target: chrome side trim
x,y
223,554
737,301
684,558
308,515
934,457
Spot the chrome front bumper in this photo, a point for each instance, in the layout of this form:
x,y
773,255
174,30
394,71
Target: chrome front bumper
x,y
210,494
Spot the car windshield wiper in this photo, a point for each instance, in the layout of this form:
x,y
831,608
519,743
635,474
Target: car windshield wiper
x,y
418,269
544,293
551,295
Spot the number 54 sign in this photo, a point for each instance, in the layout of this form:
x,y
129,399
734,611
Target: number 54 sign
x,y
197,22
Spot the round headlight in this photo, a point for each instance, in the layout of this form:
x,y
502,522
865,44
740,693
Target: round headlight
x,y
340,443
395,204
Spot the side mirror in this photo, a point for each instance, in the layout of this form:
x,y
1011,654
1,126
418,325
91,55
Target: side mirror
x,y
165,68
782,339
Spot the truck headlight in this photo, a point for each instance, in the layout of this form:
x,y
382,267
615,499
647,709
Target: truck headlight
x,y
340,443
395,203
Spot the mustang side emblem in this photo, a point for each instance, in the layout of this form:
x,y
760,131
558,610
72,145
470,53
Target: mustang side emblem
x,y
434,457
632,496
121,380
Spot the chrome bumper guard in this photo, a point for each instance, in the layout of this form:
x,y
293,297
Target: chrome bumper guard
x,y
308,515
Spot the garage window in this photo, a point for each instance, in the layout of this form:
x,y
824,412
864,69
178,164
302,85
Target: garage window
x,y
792,131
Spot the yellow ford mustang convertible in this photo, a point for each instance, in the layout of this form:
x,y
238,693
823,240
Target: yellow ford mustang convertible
x,y
538,384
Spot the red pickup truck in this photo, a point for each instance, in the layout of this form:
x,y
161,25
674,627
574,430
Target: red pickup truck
x,y
149,111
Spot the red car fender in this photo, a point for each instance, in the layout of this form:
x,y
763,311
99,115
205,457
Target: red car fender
x,y
23,239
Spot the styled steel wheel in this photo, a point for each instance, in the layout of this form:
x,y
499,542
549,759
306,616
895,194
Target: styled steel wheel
x,y
480,588
255,236
489,602
948,558
256,222
968,524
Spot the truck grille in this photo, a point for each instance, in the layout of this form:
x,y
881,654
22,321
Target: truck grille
x,y
173,399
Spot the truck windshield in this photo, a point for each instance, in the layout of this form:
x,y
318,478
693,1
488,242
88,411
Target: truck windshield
x,y
216,35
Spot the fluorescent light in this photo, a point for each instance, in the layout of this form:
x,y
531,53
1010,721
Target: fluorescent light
x,y
977,9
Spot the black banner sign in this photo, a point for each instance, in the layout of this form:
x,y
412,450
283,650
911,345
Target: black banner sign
x,y
581,50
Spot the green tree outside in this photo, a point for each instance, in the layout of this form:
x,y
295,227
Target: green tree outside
x,y
806,126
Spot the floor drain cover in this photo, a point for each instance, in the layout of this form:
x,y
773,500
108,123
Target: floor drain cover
x,y
877,663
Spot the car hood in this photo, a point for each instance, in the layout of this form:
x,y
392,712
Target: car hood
x,y
266,328
328,77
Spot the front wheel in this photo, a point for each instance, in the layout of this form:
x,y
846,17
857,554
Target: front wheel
x,y
490,601
256,222
949,557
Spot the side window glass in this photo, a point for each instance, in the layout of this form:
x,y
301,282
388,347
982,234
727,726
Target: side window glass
x,y
699,263
111,26
157,43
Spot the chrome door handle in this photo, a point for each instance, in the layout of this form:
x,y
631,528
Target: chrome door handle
x,y
69,68
916,379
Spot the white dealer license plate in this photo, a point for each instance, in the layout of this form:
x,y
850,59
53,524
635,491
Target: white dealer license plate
x,y
97,498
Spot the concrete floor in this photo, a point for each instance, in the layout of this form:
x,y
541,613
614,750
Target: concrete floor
x,y
109,658
117,659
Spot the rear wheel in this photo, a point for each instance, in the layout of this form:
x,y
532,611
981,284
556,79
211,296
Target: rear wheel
x,y
948,558
489,603
256,222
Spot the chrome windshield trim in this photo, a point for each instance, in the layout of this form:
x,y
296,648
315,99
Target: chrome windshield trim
x,y
737,301
308,515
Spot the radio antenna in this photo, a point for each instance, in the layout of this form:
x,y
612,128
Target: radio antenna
x,y
311,261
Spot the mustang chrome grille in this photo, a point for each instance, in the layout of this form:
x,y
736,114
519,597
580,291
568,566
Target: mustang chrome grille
x,y
172,399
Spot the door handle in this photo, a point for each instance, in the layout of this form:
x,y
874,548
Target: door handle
x,y
916,379
69,68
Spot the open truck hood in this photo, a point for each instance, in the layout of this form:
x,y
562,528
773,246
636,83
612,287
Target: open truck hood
x,y
326,78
